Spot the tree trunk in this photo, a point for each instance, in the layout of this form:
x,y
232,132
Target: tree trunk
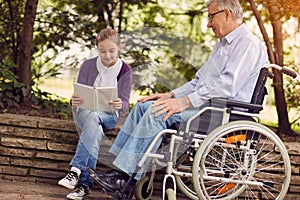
x,y
25,49
283,119
120,16
275,56
263,31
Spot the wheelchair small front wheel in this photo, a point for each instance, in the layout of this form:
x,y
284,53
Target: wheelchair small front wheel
x,y
142,192
170,193
183,157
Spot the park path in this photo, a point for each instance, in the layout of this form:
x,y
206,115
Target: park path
x,y
13,190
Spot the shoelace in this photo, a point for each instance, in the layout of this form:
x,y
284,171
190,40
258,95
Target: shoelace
x,y
79,190
71,175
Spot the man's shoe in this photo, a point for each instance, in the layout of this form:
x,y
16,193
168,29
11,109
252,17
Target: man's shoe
x,y
115,186
71,179
96,175
79,192
112,183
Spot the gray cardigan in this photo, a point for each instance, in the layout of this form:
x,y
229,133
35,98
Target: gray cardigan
x,y
88,73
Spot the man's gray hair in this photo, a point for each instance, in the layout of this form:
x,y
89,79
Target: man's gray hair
x,y
233,5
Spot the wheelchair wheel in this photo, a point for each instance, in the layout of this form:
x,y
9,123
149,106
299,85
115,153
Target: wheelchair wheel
x,y
141,189
170,193
183,159
242,160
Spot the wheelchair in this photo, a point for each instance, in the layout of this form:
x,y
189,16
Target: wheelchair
x,y
222,152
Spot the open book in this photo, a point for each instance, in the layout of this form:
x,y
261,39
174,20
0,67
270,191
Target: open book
x,y
96,98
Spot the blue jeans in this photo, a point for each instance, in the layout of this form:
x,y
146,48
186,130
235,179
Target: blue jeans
x,y
91,125
137,132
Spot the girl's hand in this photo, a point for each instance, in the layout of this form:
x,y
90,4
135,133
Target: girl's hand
x,y
76,100
117,103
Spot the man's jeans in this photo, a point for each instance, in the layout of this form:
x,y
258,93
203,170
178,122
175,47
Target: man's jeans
x,y
91,125
138,131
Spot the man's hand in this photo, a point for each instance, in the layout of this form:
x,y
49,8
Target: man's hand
x,y
76,100
159,96
117,103
170,106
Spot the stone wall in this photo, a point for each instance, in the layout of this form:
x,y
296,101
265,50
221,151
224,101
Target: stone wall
x,y
38,149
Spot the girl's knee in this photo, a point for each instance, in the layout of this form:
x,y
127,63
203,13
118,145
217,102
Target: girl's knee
x,y
89,118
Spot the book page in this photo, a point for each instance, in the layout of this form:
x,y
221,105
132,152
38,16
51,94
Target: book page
x,y
104,95
87,93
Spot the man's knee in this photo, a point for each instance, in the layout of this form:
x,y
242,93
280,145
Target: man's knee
x,y
143,106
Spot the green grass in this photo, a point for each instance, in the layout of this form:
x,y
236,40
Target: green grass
x,y
295,127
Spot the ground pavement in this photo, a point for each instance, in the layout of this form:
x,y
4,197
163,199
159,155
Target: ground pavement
x,y
13,190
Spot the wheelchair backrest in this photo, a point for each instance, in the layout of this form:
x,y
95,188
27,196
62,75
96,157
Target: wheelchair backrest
x,y
260,90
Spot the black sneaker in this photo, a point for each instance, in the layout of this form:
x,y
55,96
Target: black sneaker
x,y
79,192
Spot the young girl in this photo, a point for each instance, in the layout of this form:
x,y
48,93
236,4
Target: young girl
x,y
105,70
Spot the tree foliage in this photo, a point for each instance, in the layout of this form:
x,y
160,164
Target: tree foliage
x,y
164,41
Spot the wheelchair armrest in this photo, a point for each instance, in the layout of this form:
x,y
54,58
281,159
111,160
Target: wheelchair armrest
x,y
223,102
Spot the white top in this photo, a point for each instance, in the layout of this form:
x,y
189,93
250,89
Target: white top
x,y
107,76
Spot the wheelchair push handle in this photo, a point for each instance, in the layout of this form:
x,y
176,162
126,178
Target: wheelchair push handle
x,y
289,72
284,70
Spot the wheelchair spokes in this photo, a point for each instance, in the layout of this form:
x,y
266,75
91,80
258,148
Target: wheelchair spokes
x,y
232,165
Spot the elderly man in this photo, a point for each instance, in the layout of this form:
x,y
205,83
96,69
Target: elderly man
x,y
231,72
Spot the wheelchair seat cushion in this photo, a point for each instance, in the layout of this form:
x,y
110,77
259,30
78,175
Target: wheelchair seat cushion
x,y
207,122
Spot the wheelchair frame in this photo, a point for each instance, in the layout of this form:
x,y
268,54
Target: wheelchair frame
x,y
237,138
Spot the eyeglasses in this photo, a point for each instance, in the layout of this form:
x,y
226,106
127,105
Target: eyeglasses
x,y
211,16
